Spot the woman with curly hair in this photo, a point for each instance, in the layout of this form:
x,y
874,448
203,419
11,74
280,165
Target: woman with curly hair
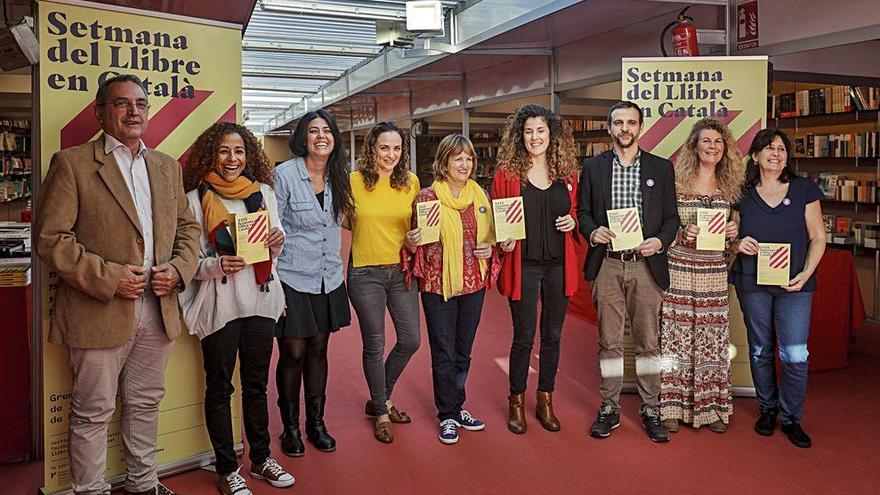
x,y
537,161
694,322
383,190
314,196
232,306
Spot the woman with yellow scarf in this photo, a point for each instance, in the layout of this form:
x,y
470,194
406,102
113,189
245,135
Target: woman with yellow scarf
x,y
454,274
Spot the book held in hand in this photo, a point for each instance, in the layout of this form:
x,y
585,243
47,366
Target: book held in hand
x,y
711,222
428,221
627,228
510,218
249,232
774,263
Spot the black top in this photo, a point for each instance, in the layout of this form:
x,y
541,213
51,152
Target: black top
x,y
543,242
320,197
785,224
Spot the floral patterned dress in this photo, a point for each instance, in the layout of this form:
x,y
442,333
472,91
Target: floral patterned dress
x,y
694,327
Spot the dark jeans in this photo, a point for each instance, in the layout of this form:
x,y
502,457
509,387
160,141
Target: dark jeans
x,y
452,326
548,281
251,339
784,318
371,289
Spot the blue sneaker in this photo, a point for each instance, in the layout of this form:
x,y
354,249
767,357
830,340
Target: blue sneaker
x,y
449,431
468,422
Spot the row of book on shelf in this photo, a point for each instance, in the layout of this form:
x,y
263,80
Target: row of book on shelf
x,y
578,125
15,252
17,124
840,188
831,99
13,141
848,145
14,187
845,231
15,165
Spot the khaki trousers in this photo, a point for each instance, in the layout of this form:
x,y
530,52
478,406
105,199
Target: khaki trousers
x,y
137,369
623,287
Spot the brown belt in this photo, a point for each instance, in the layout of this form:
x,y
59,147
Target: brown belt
x,y
625,255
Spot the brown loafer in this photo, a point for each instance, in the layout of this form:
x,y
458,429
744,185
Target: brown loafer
x,y
717,426
383,432
671,425
395,415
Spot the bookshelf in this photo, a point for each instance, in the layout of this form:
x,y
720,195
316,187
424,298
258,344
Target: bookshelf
x,y
486,145
835,134
16,167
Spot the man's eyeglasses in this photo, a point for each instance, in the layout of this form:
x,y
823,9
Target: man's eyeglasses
x,y
141,105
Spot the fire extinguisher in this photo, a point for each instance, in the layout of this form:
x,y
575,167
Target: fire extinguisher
x,y
684,36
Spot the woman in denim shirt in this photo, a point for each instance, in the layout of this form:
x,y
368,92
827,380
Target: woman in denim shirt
x,y
313,197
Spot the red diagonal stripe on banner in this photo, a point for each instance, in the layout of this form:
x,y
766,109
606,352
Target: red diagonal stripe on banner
x,y
732,114
745,141
170,116
658,132
81,128
228,116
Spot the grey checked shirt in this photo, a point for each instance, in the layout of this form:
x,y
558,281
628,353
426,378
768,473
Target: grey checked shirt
x,y
626,190
313,238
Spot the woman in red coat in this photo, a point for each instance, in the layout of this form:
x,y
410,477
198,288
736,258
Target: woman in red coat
x,y
538,161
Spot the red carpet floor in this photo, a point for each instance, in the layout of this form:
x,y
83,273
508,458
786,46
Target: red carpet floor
x,y
841,415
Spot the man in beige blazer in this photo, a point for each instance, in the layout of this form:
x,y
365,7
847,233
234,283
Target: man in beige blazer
x,y
114,224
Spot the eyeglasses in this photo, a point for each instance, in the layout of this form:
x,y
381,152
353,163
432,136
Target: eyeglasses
x,y
121,103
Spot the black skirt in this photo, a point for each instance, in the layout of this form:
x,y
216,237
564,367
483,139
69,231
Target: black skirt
x,y
310,314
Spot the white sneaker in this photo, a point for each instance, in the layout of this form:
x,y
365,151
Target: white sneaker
x,y
272,472
233,484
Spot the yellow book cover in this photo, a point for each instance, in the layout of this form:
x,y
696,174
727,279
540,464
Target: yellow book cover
x,y
250,233
711,222
627,228
428,221
510,218
774,263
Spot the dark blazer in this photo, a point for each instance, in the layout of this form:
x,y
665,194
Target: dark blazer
x,y
659,209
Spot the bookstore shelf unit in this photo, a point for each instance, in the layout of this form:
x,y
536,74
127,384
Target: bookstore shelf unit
x,y
16,167
835,133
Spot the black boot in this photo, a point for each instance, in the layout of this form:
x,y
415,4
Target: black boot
x,y
316,431
291,438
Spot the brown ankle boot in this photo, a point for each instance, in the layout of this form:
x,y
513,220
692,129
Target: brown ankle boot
x,y
544,411
516,419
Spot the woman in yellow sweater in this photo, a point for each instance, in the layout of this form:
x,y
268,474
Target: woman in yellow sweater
x,y
383,190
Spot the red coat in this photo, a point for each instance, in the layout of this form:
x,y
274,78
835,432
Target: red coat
x,y
510,280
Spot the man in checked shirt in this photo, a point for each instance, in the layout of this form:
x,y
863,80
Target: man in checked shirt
x,y
632,281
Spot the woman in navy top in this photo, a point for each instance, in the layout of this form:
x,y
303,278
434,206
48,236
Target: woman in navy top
x,y
778,207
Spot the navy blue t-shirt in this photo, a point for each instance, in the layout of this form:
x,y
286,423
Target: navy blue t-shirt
x,y
785,223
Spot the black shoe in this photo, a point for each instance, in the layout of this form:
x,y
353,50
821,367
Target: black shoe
x,y
316,430
766,423
797,435
607,420
291,438
654,427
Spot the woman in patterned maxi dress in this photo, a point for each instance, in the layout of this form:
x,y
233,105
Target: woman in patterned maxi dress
x,y
694,327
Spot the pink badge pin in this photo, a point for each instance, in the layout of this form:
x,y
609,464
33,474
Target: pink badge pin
x,y
786,201
650,182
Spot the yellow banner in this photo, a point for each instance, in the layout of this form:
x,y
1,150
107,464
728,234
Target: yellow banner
x,y
193,76
675,92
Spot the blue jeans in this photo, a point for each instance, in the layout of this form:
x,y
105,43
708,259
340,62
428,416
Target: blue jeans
x,y
784,318
452,326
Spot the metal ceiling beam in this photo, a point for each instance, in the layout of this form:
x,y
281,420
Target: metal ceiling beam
x,y
332,9
280,89
322,75
309,49
430,76
598,102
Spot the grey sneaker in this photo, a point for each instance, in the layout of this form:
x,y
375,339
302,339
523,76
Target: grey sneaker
x,y
607,420
233,484
654,427
273,473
